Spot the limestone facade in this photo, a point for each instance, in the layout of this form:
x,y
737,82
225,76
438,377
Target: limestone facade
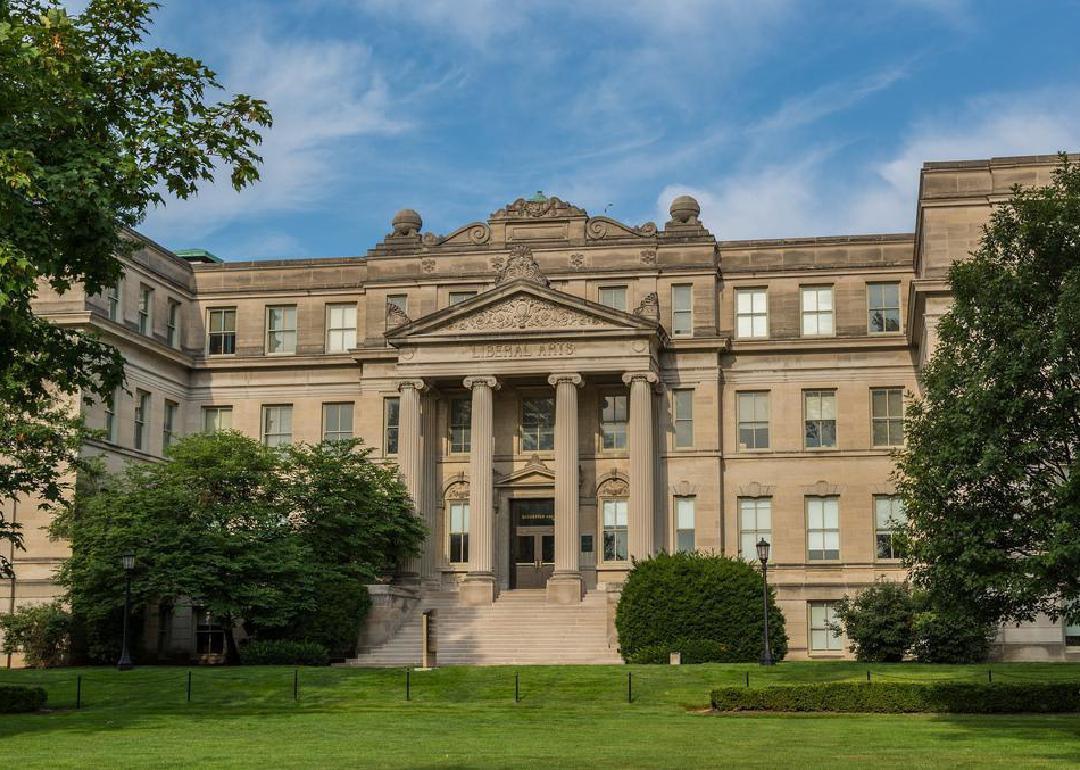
x,y
565,392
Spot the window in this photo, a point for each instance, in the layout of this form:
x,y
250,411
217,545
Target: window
x,y
685,526
112,297
682,313
460,425
613,296
281,330
209,634
169,425
222,335
753,420
277,425
822,528
172,324
391,418
400,301
459,533
613,417
683,413
1072,627
146,307
824,629
616,536
111,424
217,418
457,297
755,523
751,314
887,416
883,307
142,418
337,422
889,517
340,328
819,409
817,310
537,424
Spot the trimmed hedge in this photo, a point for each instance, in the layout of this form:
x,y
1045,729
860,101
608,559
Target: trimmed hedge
x,y
691,650
283,652
896,697
20,699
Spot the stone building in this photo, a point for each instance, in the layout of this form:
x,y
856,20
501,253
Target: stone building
x,y
563,393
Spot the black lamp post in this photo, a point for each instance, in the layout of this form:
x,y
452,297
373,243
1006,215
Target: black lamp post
x,y
763,556
128,562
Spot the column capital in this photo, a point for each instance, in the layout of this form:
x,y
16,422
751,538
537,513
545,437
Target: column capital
x,y
481,379
650,377
572,377
419,385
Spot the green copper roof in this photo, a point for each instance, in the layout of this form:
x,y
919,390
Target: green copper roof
x,y
539,197
198,255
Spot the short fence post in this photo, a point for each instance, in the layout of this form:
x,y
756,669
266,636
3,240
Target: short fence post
x,y
78,691
867,675
629,686
189,686
989,676
296,685
747,678
408,695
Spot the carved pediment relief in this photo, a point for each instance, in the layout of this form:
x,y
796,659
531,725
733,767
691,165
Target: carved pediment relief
x,y
683,488
538,207
522,312
755,489
613,484
599,228
470,235
521,264
823,489
535,473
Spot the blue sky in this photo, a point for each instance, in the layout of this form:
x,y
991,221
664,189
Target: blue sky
x,y
783,118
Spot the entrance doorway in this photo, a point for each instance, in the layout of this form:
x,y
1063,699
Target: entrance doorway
x,y
532,542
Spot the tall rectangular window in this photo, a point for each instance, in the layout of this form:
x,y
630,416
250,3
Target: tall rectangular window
x,y
1072,627
337,422
217,418
142,419
824,630
683,415
614,413
111,423
616,534
391,420
889,517
751,314
817,310
340,327
819,414
883,307
753,416
822,528
537,424
281,330
457,297
682,310
172,324
685,524
112,297
277,424
459,533
146,309
460,425
887,416
168,427
221,334
755,523
613,296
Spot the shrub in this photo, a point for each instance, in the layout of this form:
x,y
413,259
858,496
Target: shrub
x,y
879,621
281,652
19,699
943,636
896,697
42,632
690,650
702,597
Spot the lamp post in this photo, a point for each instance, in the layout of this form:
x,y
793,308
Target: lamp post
x,y
128,563
763,556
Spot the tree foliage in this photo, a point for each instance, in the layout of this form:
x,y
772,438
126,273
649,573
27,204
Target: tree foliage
x,y
990,475
272,539
879,621
42,632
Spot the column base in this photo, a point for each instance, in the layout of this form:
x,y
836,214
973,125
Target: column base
x,y
478,589
565,588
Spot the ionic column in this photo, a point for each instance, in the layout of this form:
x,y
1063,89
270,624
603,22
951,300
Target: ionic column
x,y
429,439
479,584
410,457
564,587
642,464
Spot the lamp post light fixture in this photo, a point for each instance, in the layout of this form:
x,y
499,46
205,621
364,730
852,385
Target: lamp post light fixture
x,y
127,561
763,557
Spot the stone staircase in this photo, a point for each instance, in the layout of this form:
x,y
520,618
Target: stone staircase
x,y
520,627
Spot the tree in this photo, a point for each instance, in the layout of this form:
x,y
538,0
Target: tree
x,y
990,475
879,621
94,129
42,632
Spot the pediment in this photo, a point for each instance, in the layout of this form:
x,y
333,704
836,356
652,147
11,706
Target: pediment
x,y
521,306
535,473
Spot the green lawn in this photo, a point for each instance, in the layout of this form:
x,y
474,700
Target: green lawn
x,y
466,717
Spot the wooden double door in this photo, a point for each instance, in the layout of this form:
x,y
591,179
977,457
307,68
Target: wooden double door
x,y
532,542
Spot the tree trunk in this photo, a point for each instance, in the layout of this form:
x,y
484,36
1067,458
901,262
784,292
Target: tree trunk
x,y
232,653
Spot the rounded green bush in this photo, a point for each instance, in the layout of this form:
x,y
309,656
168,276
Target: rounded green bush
x,y
680,597
283,652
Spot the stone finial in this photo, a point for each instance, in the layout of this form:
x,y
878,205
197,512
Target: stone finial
x,y
649,307
521,264
407,222
395,316
685,210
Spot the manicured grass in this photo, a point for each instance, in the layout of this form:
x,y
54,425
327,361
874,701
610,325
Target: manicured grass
x,y
466,717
